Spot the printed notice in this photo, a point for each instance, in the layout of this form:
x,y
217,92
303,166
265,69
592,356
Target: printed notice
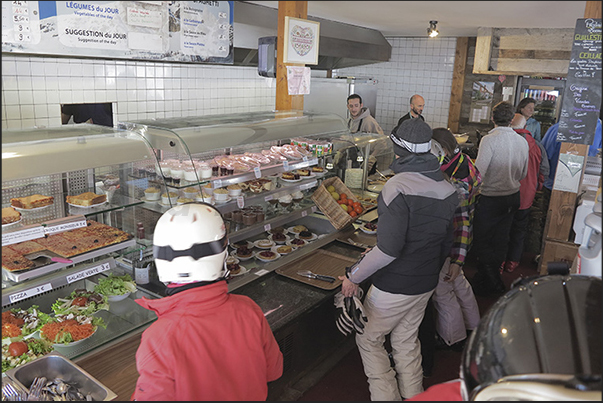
x,y
88,272
9,238
53,229
205,28
20,22
29,293
298,80
569,170
144,18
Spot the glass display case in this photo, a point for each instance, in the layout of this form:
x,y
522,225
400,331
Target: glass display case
x,y
258,169
50,242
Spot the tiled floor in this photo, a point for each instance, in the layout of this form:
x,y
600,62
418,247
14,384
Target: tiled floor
x,y
346,381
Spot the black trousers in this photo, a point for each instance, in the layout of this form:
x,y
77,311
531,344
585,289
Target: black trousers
x,y
491,228
517,235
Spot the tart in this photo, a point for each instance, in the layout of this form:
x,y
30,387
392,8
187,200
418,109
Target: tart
x,y
265,243
318,169
234,268
305,235
303,172
284,249
279,237
288,175
33,201
10,215
297,242
244,252
299,228
267,255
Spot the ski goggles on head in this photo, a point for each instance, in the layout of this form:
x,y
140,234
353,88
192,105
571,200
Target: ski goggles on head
x,y
197,251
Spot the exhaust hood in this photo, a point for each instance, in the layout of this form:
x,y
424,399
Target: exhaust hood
x,y
341,45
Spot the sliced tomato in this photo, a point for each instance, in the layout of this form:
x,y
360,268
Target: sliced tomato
x,y
17,348
80,301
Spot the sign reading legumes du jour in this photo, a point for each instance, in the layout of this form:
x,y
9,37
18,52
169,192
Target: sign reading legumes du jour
x,y
582,101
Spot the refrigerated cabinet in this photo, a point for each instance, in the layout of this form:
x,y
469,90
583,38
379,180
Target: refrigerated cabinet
x,y
548,94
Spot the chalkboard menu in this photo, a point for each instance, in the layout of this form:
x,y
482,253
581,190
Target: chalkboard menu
x,y
582,100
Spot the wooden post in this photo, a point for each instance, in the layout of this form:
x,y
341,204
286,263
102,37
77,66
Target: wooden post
x,y
284,101
458,82
562,207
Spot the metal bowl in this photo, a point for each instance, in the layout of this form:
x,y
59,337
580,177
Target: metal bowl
x,y
55,365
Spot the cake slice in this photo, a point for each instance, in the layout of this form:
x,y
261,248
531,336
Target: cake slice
x,y
10,215
33,201
86,199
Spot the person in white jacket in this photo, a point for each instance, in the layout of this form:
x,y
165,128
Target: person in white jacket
x,y
502,160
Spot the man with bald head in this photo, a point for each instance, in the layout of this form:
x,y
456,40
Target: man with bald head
x,y
538,170
417,103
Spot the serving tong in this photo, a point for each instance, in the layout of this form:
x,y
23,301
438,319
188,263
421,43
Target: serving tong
x,y
309,274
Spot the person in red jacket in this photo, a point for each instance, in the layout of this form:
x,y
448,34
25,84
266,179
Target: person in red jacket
x,y
206,344
538,170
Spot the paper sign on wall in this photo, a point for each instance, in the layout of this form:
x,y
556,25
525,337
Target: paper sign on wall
x,y
298,80
569,170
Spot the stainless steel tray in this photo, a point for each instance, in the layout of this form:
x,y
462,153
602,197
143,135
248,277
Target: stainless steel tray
x,y
55,365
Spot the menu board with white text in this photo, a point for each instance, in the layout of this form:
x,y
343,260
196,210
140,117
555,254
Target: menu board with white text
x,y
582,101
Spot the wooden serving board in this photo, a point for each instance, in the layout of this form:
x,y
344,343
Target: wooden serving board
x,y
319,262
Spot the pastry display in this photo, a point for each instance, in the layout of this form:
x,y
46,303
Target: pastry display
x,y
234,268
305,235
65,244
264,243
152,193
10,215
284,249
299,228
33,201
220,194
267,255
279,237
169,198
86,199
288,175
318,169
297,196
234,190
244,252
297,242
303,172
240,244
277,230
285,200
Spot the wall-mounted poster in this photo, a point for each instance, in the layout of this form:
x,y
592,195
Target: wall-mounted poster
x,y
187,31
301,41
481,102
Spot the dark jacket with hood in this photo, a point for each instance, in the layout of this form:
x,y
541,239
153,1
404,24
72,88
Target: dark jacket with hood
x,y
416,207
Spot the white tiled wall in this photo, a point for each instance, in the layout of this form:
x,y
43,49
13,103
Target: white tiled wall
x,y
34,87
421,66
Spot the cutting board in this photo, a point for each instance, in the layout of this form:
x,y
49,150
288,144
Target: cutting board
x,y
319,262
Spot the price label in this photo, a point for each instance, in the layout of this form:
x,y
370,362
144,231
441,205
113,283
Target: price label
x,y
64,227
240,201
257,172
88,272
267,227
313,209
304,213
268,198
9,238
262,272
30,293
286,165
217,183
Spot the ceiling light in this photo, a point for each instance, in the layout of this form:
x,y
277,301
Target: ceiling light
x,y
432,31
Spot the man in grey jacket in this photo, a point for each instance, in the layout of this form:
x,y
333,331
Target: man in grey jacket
x,y
414,236
502,160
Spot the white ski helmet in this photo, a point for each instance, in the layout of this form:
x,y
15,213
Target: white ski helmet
x,y
190,244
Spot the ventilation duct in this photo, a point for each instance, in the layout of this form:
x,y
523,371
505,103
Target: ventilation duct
x,y
341,45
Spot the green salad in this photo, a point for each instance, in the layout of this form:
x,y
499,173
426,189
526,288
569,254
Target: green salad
x,y
115,285
16,351
80,302
32,317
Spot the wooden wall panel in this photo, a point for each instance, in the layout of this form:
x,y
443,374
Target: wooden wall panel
x,y
458,82
284,101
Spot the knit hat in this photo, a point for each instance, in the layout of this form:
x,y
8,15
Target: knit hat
x,y
413,135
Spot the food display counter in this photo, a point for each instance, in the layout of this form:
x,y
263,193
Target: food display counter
x,y
258,169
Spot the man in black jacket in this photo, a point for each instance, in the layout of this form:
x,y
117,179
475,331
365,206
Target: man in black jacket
x,y
414,236
417,103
